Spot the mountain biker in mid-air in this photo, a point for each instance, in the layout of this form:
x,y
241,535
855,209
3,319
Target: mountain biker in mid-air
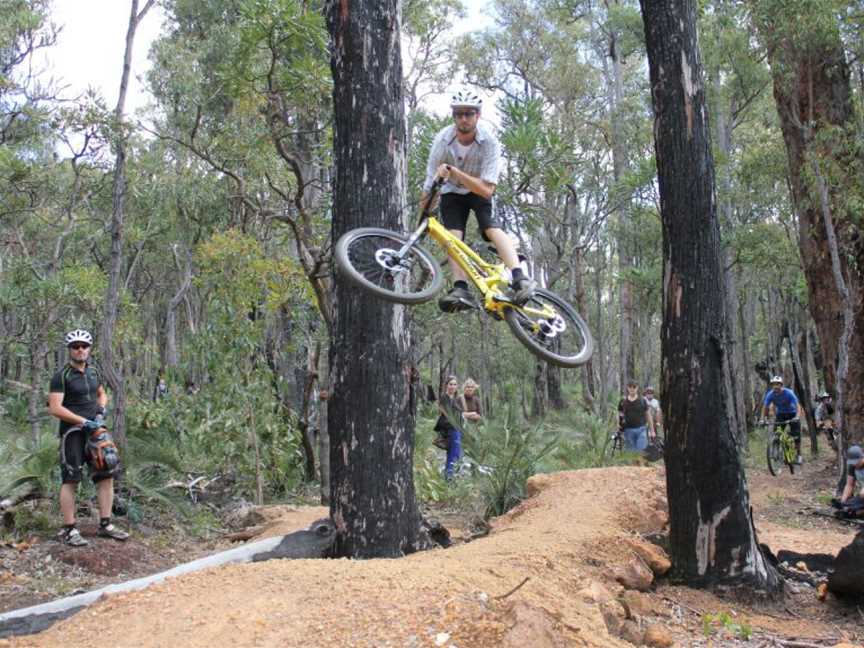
x,y
467,155
786,408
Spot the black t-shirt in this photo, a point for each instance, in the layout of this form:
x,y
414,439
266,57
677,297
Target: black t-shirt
x,y
79,389
633,412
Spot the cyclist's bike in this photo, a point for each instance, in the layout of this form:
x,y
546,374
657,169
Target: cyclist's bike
x,y
781,447
617,442
827,426
394,267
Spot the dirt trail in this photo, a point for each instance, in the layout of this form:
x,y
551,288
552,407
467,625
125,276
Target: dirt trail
x,y
564,539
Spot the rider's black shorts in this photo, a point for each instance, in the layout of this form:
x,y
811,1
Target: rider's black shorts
x,y
455,208
73,459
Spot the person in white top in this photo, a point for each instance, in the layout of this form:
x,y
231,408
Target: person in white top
x,y
467,155
654,404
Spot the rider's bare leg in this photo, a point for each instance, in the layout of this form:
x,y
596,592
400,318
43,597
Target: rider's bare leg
x,y
458,273
504,244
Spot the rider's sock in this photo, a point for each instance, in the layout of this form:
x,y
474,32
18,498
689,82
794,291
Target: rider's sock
x,y
460,284
67,528
516,273
104,522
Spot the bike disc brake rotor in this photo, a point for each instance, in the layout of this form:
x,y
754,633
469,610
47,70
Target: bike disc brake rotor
x,y
553,326
391,261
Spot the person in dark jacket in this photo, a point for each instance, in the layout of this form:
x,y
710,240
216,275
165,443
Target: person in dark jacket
x,y
449,423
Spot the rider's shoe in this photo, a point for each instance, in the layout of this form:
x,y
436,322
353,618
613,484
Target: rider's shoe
x,y
73,538
523,290
113,532
458,299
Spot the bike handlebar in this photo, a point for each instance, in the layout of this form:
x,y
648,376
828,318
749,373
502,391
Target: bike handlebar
x,y
767,422
430,197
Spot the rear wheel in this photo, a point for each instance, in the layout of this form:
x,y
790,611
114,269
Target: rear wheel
x,y
551,329
369,258
775,456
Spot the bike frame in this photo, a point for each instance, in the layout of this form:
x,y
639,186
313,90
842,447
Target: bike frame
x,y
781,432
490,279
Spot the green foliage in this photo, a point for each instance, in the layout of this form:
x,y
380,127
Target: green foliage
x,y
724,625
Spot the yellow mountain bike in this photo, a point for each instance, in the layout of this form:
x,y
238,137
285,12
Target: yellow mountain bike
x,y
394,267
781,446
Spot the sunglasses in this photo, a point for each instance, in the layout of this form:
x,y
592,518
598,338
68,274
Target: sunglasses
x,y
464,113
77,347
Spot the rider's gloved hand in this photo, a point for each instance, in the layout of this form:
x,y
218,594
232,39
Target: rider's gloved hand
x,y
90,425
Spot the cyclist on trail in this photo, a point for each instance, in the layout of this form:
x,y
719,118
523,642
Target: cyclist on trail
x,y
635,419
467,155
824,416
786,408
77,397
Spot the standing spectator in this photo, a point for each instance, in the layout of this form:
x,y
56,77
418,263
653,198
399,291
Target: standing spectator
x,y
78,398
449,424
635,420
471,408
160,391
654,404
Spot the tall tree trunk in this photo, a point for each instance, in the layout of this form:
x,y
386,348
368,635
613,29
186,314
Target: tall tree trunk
x,y
110,366
37,391
812,90
538,396
171,355
615,95
371,420
712,539
736,356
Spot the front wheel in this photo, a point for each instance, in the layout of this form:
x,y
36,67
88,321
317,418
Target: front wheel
x,y
551,329
775,456
369,258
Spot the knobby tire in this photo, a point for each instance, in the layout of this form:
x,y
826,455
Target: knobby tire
x,y
414,283
550,349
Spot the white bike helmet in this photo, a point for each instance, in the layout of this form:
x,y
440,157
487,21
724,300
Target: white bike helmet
x,y
823,396
776,379
79,335
466,99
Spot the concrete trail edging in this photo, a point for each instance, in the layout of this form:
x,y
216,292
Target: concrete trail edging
x,y
309,543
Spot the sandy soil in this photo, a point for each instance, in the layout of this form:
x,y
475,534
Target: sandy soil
x,y
528,583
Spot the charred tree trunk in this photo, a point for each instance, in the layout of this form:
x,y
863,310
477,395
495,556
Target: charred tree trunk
x,y
712,538
371,419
